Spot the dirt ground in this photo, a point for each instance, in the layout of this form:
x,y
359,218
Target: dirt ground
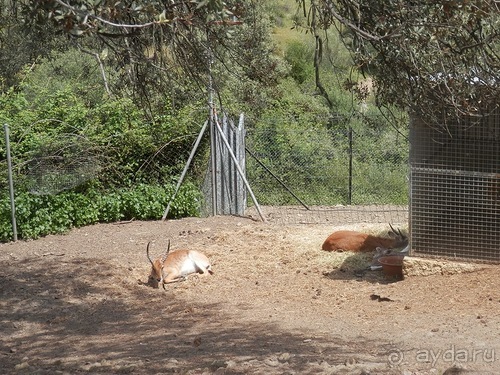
x,y
276,304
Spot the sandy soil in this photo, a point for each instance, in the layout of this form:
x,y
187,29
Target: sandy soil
x,y
276,304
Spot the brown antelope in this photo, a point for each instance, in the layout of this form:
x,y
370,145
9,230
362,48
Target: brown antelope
x,y
177,266
347,240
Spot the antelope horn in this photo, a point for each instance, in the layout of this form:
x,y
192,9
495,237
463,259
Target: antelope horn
x,y
147,253
164,257
162,261
398,232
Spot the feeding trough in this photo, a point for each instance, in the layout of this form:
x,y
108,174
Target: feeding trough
x,y
392,266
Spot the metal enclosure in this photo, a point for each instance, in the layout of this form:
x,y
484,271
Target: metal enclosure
x,y
455,188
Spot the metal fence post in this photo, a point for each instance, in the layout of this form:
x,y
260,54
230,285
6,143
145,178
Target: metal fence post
x,y
349,194
11,183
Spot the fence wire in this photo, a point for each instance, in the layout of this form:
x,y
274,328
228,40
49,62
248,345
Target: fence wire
x,y
320,175
299,174
455,169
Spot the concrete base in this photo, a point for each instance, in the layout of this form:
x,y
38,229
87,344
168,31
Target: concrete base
x,y
413,266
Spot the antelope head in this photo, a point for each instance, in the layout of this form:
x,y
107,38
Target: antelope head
x,y
156,275
400,239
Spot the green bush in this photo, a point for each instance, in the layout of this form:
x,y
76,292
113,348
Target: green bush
x,y
38,216
298,55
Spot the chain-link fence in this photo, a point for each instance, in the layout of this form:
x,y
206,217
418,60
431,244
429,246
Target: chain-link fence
x,y
342,174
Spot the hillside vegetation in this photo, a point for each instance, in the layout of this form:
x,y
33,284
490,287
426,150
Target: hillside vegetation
x,y
88,150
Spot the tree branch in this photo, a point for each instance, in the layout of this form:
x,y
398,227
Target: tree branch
x,y
101,67
87,15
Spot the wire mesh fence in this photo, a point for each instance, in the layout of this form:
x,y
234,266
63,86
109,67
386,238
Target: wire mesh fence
x,y
316,175
455,207
298,174
62,163
345,172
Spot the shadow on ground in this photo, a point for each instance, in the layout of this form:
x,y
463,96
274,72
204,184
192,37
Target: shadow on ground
x,y
357,267
87,316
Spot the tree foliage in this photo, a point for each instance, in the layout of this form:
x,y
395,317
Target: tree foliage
x,y
131,80
21,46
166,49
421,54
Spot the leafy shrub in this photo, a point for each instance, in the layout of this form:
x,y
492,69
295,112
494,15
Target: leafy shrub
x,y
38,216
298,55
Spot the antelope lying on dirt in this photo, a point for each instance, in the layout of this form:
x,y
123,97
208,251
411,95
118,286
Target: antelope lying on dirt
x,y
347,240
176,266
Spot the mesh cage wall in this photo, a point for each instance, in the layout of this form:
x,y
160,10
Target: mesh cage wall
x,y
455,187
